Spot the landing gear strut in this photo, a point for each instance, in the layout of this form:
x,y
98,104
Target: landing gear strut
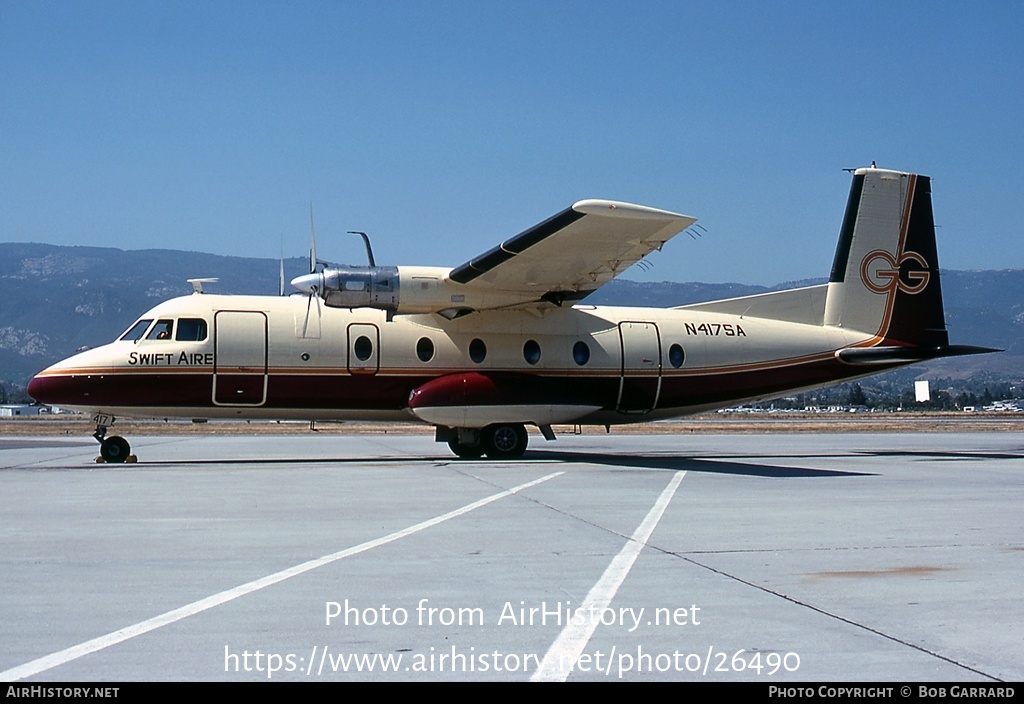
x,y
466,451
114,449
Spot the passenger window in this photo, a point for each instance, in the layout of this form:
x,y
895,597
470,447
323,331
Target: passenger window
x,y
135,332
425,349
161,331
531,352
477,350
676,356
191,330
581,353
363,348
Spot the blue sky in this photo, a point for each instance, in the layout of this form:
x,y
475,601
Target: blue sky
x,y
442,128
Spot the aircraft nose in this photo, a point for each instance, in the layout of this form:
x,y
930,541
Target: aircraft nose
x,y
48,389
37,388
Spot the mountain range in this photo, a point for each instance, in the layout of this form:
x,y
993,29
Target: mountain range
x,y
55,299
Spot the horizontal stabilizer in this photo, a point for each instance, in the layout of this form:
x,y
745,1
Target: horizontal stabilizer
x,y
888,355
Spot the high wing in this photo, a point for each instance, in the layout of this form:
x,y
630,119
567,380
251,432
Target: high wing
x,y
570,255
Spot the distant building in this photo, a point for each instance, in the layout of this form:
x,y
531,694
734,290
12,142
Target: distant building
x,y
10,410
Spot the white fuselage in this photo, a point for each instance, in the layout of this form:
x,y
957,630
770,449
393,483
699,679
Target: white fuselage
x,y
291,357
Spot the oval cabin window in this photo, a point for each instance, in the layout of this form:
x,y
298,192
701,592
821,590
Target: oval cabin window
x,y
477,350
676,356
425,349
363,348
531,352
581,353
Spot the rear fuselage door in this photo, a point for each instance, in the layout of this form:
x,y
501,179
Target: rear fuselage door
x,y
640,383
240,360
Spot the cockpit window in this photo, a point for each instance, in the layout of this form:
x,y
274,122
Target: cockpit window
x,y
191,330
161,331
135,332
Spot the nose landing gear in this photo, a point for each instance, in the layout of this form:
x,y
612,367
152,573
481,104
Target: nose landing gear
x,y
114,449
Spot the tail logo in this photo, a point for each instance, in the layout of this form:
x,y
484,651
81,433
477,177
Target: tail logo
x,y
881,272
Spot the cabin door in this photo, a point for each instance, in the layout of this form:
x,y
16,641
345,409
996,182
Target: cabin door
x,y
640,382
240,361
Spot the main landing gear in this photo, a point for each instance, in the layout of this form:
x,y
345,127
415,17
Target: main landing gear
x,y
501,441
114,449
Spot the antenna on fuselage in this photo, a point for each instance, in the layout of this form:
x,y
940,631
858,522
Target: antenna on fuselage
x,y
197,284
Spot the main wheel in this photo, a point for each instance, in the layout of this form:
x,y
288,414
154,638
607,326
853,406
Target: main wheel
x,y
115,449
466,452
505,441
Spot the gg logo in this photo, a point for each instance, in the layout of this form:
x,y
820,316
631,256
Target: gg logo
x,y
880,272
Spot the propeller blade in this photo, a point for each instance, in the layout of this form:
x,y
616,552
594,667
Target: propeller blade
x,y
313,294
280,281
309,304
312,241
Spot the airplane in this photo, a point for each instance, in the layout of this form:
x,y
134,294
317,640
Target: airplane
x,y
504,341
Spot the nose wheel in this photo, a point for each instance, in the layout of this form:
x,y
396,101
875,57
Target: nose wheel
x,y
113,449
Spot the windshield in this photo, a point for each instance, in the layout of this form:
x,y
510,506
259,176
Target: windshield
x,y
183,330
135,332
161,331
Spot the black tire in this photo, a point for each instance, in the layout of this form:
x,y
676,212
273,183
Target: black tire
x,y
505,441
115,449
466,452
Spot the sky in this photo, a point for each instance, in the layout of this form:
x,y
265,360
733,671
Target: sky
x,y
442,128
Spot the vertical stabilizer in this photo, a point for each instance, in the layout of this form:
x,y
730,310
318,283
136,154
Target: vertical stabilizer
x,y
885,276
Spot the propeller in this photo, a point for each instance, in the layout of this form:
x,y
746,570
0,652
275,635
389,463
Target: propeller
x,y
345,286
312,241
311,283
280,280
309,304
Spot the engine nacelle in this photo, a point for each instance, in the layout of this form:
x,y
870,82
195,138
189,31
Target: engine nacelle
x,y
361,287
354,286
403,289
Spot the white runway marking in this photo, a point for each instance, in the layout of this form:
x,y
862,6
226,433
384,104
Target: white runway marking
x,y
73,653
561,657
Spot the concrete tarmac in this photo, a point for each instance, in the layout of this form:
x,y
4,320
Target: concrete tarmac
x,y
769,558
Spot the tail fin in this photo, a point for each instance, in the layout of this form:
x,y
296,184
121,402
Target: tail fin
x,y
885,277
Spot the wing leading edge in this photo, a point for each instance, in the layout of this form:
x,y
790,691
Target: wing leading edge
x,y
570,255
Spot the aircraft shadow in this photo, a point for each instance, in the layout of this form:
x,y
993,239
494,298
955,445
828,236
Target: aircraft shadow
x,y
680,463
672,463
947,455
